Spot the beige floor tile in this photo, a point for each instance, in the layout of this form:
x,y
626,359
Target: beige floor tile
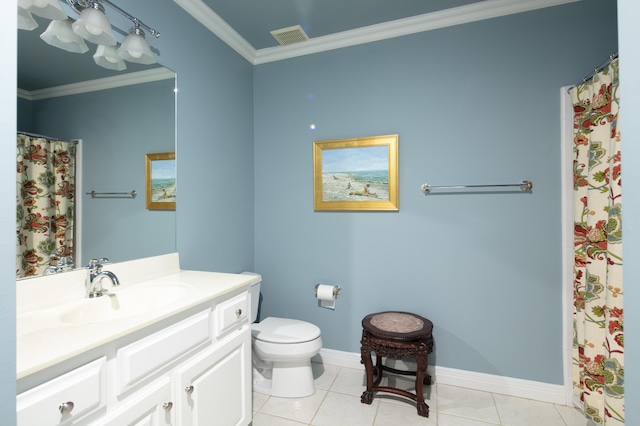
x,y
258,400
337,403
449,420
394,414
407,383
572,416
298,409
324,375
526,412
340,409
350,381
261,419
467,403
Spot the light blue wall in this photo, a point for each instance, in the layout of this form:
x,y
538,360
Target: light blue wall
x,y
215,141
25,115
472,104
629,34
118,127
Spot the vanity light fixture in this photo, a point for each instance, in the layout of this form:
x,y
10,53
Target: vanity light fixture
x,y
136,49
60,34
25,19
108,57
93,26
50,9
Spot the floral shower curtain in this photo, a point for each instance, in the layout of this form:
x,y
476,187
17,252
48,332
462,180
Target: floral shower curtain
x,y
45,202
598,344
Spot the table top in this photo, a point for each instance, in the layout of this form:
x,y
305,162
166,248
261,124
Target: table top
x,y
397,325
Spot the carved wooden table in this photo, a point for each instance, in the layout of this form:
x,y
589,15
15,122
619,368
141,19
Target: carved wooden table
x,y
396,335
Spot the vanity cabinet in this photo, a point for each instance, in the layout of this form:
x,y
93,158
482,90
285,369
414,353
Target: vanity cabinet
x,y
195,370
66,399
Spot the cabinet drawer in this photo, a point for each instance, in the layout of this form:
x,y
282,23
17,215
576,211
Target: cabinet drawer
x,y
84,387
139,360
231,313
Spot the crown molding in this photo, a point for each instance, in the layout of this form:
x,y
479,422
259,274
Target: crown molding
x,y
429,21
214,23
486,9
121,80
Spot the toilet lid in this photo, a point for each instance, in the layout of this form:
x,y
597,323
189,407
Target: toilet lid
x,y
284,330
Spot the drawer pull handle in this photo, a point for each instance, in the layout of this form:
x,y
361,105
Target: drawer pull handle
x,y
188,390
66,407
238,313
167,406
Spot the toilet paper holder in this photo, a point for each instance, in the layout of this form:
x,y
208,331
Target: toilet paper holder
x,y
336,289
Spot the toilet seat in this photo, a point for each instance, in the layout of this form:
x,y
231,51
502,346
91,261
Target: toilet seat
x,y
284,330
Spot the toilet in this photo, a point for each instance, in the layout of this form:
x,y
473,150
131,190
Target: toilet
x,y
281,352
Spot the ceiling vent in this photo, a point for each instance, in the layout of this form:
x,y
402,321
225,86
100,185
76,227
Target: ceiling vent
x,y
290,35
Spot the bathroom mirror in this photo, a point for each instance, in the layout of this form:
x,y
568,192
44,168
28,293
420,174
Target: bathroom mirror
x,y
117,124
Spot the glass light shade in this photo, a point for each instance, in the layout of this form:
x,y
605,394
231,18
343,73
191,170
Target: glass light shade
x,y
94,26
50,9
25,19
59,34
107,57
136,49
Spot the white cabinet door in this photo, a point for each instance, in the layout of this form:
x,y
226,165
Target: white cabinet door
x,y
214,388
151,407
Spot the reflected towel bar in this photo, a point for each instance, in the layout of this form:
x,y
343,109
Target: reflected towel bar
x,y
95,194
525,186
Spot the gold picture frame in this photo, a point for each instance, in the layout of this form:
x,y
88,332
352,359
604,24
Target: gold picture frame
x,y
356,174
160,172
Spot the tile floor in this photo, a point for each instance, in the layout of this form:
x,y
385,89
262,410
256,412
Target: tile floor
x,y
337,402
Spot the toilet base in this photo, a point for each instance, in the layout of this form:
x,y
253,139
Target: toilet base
x,y
291,379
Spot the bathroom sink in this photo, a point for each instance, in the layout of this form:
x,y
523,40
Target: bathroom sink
x,y
124,302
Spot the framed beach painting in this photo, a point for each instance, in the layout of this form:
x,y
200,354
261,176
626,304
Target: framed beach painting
x,y
160,170
356,174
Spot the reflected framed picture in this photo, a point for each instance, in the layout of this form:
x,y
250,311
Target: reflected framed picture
x,y
160,171
356,174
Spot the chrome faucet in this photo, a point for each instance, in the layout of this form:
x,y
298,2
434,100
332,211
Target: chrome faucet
x,y
95,275
64,263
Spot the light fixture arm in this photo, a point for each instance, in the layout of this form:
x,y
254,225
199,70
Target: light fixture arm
x,y
79,5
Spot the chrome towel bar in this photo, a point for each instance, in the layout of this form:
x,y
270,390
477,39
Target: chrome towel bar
x,y
525,186
95,194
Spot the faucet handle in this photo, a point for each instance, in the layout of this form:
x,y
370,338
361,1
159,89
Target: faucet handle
x,y
62,261
96,264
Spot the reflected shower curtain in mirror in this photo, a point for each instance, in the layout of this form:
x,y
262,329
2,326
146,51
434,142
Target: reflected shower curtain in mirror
x,y
45,202
598,343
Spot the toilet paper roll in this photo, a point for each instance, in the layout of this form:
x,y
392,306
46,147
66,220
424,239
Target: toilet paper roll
x,y
326,294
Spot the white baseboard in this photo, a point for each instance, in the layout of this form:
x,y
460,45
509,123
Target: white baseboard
x,y
520,388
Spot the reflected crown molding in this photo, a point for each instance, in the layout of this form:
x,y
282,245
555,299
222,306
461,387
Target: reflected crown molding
x,y
121,80
482,10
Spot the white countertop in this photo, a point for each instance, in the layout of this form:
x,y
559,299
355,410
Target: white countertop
x,y
44,340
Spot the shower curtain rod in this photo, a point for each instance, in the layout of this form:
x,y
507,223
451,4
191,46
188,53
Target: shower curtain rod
x,y
601,67
35,135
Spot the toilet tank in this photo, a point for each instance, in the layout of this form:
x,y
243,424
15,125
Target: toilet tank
x,y
255,296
